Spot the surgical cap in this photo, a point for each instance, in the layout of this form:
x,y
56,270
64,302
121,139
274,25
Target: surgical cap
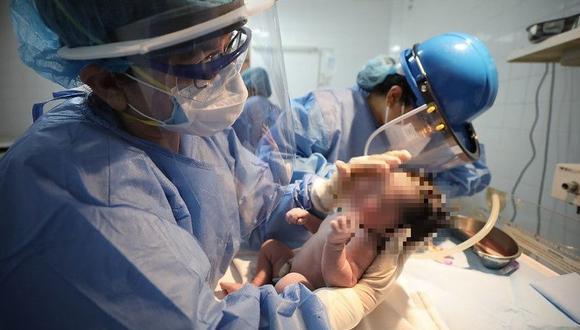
x,y
375,72
256,80
45,26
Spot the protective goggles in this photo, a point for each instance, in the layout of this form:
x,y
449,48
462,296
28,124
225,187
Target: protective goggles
x,y
212,62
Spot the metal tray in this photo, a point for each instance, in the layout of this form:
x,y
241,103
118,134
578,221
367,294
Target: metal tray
x,y
496,249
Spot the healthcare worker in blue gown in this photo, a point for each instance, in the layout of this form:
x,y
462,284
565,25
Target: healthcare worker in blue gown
x,y
257,109
336,123
122,206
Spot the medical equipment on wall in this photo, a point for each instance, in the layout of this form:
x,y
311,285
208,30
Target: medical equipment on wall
x,y
566,185
541,31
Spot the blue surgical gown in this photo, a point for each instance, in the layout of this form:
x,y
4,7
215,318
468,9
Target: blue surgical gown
x,y
100,229
258,115
336,124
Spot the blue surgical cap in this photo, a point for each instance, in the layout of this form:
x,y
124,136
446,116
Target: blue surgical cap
x,y
375,72
45,26
256,80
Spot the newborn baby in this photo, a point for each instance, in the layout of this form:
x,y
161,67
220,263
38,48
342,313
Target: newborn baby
x,y
403,210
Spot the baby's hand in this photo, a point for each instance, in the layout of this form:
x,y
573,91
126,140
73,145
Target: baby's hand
x,y
298,216
341,230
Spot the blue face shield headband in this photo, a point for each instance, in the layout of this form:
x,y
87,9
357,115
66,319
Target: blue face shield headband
x,y
467,142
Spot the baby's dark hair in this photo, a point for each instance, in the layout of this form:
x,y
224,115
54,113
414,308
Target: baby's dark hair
x,y
425,214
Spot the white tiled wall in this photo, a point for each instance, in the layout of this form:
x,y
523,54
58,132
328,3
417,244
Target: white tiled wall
x,y
504,129
354,30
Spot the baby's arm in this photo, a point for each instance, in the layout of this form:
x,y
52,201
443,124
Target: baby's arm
x,y
298,216
342,266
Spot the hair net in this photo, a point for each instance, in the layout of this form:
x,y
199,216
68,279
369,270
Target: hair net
x,y
375,72
257,81
45,26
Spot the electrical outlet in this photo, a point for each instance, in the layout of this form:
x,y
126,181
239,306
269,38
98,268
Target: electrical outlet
x,y
566,185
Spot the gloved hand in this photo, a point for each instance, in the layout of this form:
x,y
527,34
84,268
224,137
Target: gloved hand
x,y
327,194
346,307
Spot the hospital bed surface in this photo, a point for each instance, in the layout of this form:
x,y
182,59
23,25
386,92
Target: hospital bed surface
x,y
469,296
461,295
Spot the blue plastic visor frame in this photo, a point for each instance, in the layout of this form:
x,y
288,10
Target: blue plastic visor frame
x,y
468,142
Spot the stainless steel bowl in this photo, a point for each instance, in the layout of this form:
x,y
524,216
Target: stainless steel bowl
x,y
496,249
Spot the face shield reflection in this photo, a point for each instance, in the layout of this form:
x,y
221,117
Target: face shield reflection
x,y
265,127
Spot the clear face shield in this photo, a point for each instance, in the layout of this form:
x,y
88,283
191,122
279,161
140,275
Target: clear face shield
x,y
194,85
207,93
184,77
426,133
265,126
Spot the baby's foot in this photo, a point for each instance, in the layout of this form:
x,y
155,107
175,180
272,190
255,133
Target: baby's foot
x,y
298,216
229,287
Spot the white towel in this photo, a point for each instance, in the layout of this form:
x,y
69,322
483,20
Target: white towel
x,y
564,292
399,310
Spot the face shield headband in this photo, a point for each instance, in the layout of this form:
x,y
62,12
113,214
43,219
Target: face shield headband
x,y
443,125
168,29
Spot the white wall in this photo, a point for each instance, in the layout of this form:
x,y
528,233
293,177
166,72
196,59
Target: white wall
x,y
20,87
504,129
355,30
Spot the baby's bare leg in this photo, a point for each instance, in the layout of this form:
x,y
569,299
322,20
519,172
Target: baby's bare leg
x,y
292,278
273,255
230,287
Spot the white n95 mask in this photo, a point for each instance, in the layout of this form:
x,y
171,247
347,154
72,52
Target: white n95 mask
x,y
202,111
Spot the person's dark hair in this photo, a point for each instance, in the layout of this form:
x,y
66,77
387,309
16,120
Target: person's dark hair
x,y
94,101
425,214
391,80
257,82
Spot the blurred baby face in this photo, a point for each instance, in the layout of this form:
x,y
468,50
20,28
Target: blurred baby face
x,y
380,204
